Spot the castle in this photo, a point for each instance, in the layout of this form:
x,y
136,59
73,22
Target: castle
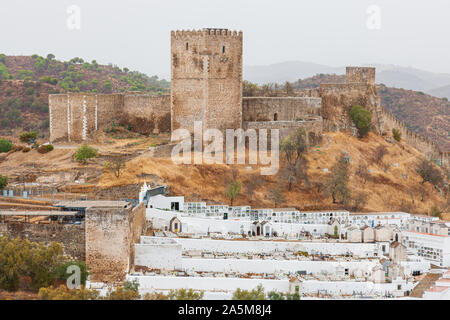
x,y
206,85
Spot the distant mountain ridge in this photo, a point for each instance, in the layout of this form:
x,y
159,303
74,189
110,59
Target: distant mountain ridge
x,y
436,84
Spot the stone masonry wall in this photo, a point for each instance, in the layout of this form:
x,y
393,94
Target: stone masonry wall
x,y
279,108
147,114
337,99
75,116
360,75
206,79
110,237
427,147
313,127
71,236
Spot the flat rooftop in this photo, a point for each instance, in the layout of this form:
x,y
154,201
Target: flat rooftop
x,y
92,204
37,213
376,213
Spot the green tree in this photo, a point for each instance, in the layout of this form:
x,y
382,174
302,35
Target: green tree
x,y
129,291
233,190
4,74
397,134
61,273
184,294
63,293
294,147
30,259
3,182
28,136
85,153
107,86
362,119
429,172
255,294
337,182
276,195
5,145
275,295
435,212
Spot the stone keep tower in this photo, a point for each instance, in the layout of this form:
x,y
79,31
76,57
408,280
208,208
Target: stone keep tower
x,y
206,80
360,75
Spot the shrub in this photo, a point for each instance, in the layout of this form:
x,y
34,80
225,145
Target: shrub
x,y
45,148
396,134
429,172
5,145
361,118
107,86
3,182
61,271
28,137
48,79
85,153
30,259
26,149
255,294
184,294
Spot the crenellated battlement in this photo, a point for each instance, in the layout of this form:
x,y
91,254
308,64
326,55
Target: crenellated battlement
x,y
429,148
206,32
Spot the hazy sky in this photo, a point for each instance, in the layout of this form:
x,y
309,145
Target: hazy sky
x,y
136,33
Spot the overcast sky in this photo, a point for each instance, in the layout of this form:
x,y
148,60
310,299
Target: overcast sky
x,y
136,33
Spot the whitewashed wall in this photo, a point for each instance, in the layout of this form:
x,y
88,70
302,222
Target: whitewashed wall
x,y
161,218
272,266
160,256
350,287
151,283
257,247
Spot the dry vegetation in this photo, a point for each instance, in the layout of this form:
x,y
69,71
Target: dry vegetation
x,y
383,171
386,185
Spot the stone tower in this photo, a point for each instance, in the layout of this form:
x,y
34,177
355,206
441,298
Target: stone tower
x,y
360,75
206,79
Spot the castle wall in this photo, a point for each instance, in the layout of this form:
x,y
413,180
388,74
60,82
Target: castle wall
x,y
110,236
337,99
206,80
58,117
75,116
71,236
360,75
312,125
279,108
427,147
146,113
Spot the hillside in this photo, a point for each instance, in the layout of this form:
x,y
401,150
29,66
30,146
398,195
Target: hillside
x,y
436,84
25,83
424,114
391,184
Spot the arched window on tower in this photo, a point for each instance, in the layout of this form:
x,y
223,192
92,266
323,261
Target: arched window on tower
x,y
275,117
187,45
223,49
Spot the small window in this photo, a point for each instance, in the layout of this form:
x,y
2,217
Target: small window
x,y
187,45
275,117
223,49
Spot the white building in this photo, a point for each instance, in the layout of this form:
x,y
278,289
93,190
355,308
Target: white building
x,y
435,248
374,219
175,204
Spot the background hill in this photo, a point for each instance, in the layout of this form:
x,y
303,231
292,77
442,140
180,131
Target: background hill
x,y
25,83
437,84
424,114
